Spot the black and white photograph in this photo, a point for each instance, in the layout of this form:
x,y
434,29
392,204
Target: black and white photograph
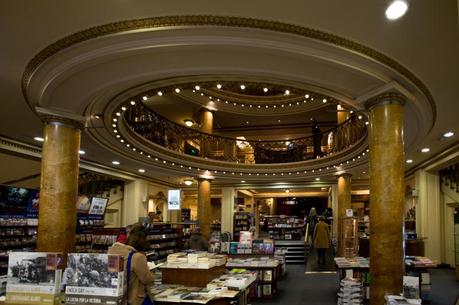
x,y
30,268
90,270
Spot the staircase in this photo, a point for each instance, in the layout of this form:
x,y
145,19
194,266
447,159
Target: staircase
x,y
449,178
295,250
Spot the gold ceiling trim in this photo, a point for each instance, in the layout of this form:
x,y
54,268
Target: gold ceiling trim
x,y
208,20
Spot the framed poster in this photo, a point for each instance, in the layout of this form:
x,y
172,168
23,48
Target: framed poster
x,y
98,205
173,200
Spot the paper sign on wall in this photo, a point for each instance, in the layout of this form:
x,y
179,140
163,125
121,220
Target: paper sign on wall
x,y
173,200
349,213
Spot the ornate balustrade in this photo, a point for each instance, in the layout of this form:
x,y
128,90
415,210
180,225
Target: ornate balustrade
x,y
166,133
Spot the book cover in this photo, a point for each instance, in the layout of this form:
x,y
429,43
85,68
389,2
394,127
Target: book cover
x,y
268,275
94,279
33,277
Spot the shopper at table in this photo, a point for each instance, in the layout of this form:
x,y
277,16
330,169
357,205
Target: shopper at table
x,y
321,239
138,272
197,242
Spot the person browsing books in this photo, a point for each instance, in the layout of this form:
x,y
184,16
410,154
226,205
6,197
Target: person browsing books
x,y
321,239
140,277
197,242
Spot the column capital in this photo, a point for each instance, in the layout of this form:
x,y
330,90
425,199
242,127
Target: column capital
x,y
51,116
385,99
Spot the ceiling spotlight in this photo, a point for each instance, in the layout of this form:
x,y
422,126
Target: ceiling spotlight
x,y
287,191
366,123
242,181
177,90
118,114
287,92
188,122
247,122
116,162
114,125
317,179
306,96
360,117
265,90
115,120
242,87
39,139
188,182
160,93
396,9
449,134
145,97
97,116
123,108
132,103
219,86
409,161
81,152
287,143
324,100
197,87
425,150
141,170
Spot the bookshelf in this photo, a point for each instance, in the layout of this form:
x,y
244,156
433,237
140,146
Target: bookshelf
x,y
281,227
242,222
103,238
163,240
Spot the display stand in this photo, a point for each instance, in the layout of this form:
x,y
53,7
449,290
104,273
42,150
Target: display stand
x,y
193,277
350,237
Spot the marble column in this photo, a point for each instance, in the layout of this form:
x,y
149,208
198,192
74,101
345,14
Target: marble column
x,y
204,212
344,202
207,120
228,209
58,187
256,206
386,196
341,115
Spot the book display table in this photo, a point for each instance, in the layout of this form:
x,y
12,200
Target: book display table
x,y
190,276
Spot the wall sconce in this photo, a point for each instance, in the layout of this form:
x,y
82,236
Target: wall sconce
x,y
188,182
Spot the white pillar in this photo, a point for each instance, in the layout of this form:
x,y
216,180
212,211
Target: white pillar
x,y
227,209
334,206
135,201
428,213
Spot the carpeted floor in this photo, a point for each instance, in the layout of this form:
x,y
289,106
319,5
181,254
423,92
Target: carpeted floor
x,y
321,288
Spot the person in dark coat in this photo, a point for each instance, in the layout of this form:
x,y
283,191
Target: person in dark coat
x,y
321,239
197,242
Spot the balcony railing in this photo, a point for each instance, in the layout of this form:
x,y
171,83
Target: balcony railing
x,y
166,133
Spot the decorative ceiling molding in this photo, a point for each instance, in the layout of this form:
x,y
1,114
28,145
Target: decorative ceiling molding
x,y
223,21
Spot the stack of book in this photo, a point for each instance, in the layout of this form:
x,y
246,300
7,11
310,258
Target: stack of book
x,y
399,300
194,260
350,292
354,262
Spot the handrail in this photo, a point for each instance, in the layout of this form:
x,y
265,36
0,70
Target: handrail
x,y
162,131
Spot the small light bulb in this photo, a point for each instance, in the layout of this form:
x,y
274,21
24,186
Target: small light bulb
x,y
219,86
242,87
132,103
160,93
265,89
177,90
144,97
197,87
287,92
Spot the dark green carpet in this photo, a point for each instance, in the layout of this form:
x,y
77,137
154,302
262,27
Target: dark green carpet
x,y
298,288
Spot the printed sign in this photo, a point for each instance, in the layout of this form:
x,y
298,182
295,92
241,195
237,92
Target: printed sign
x,y
173,200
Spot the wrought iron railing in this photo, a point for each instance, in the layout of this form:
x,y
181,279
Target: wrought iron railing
x,y
166,133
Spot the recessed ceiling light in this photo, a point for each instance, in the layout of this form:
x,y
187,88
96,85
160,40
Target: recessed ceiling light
x,y
265,89
287,143
177,90
197,87
242,181
116,162
425,150
242,87
145,97
449,134
247,122
188,182
141,170
306,96
118,114
114,125
123,108
81,152
115,120
278,121
287,92
287,191
324,100
366,123
188,123
409,161
219,86
360,117
317,179
132,103
39,139
396,9
160,93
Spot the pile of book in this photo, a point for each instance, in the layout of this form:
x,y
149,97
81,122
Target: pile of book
x,y
354,262
257,246
350,292
234,280
399,300
252,262
194,260
419,262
